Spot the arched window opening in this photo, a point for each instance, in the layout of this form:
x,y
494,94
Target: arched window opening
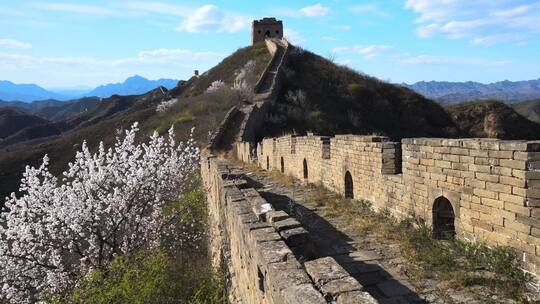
x,y
268,163
349,189
443,219
305,169
267,34
282,166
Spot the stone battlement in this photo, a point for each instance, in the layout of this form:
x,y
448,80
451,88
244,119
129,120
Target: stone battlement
x,y
477,189
258,247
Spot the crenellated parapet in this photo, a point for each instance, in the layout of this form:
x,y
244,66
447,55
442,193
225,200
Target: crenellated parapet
x,y
260,249
478,189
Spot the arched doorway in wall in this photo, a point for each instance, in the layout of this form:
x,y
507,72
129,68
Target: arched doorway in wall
x,y
282,165
443,219
305,169
268,163
349,187
267,34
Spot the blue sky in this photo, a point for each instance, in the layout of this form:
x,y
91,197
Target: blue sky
x,y
70,43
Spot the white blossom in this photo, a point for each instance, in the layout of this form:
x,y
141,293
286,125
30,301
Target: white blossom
x,y
243,79
215,86
166,105
106,204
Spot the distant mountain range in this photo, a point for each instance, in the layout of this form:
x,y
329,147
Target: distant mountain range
x,y
134,85
455,92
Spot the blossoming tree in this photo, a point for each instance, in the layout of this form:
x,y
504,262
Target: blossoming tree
x,y
105,204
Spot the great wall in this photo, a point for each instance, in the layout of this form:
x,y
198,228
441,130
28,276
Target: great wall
x,y
276,249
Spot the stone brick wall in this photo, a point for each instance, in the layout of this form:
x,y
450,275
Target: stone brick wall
x,y
256,246
492,186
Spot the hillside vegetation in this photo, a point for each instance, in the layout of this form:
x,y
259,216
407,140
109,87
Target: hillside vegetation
x,y
456,92
529,109
329,99
492,119
194,108
317,95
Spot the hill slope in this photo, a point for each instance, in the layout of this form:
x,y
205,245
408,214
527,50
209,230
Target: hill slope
x,y
492,119
194,108
316,95
328,99
12,121
455,92
529,109
68,109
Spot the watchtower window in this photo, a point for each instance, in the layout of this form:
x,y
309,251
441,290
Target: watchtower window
x,y
277,32
282,166
349,188
267,34
443,219
259,31
268,163
305,169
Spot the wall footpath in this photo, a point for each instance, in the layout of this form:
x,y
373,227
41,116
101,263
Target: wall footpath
x,y
256,246
492,186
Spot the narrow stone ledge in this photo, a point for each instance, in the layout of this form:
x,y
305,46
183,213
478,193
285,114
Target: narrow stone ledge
x,y
274,216
356,297
273,252
233,194
324,270
333,289
302,294
289,223
265,235
283,275
295,237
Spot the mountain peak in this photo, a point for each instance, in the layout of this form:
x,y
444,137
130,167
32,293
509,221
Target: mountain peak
x,y
135,78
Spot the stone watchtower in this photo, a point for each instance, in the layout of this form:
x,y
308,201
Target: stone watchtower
x,y
266,28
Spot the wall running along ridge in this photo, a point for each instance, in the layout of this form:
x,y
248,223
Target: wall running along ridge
x,y
257,247
493,185
242,122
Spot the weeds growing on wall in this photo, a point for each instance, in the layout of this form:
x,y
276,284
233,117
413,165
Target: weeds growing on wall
x,y
462,264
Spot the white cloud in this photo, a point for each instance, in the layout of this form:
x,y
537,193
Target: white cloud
x,y
210,18
328,38
370,9
14,44
294,37
69,71
433,60
344,27
316,10
76,8
159,8
174,54
367,51
481,21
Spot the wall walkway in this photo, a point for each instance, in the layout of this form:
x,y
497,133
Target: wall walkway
x,y
491,188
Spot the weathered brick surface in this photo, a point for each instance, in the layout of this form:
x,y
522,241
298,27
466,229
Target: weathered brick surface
x,y
256,247
492,185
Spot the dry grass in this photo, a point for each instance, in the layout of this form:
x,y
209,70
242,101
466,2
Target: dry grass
x,y
486,270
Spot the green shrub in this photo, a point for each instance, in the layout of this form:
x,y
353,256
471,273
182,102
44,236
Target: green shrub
x,y
183,118
148,277
354,88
